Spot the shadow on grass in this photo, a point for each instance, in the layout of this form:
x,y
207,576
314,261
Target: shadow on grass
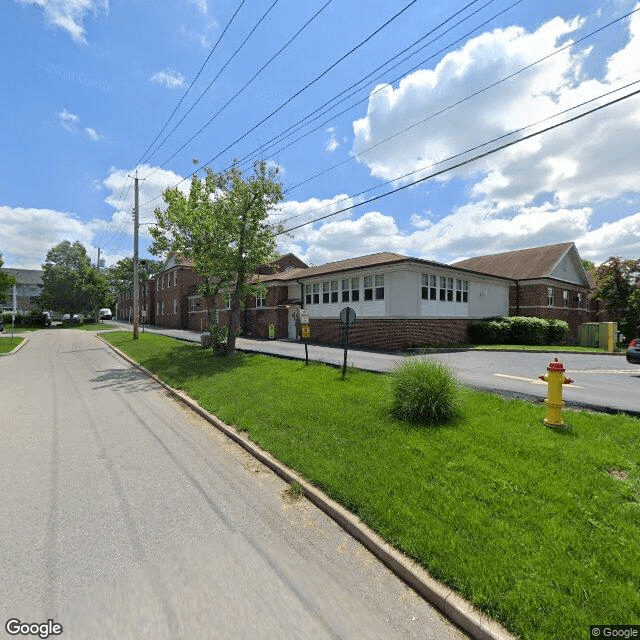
x,y
180,363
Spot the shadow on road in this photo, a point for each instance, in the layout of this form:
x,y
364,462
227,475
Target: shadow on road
x,y
127,380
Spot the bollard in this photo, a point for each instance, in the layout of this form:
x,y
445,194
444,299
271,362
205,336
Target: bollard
x,y
555,379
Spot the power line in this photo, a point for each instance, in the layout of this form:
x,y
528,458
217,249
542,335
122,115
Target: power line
x,y
226,64
453,157
441,111
312,82
255,75
184,95
297,126
464,162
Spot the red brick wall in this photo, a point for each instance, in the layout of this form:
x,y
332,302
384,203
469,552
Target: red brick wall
x,y
534,303
393,334
186,283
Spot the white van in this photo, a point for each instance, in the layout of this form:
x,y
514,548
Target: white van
x,y
105,314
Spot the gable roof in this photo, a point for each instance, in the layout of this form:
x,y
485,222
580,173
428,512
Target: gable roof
x,y
373,260
524,264
25,276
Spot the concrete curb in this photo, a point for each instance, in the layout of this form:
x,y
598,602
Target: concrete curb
x,y
17,348
456,608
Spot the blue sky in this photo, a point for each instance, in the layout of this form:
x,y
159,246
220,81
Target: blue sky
x,y
87,85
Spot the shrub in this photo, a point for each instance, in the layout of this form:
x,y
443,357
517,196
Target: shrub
x,y
425,391
518,330
6,318
218,337
557,331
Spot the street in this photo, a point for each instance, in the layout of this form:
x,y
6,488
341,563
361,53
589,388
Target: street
x,y
124,515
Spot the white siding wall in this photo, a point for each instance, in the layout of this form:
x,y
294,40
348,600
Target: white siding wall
x,y
487,299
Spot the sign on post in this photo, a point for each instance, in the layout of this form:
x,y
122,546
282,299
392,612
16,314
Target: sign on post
x,y
306,331
347,318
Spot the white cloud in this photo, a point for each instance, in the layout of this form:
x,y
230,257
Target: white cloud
x,y
92,134
201,5
69,14
28,234
573,163
68,120
168,78
472,229
332,143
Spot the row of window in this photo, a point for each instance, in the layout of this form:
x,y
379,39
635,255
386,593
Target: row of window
x,y
580,299
444,289
160,307
345,290
160,282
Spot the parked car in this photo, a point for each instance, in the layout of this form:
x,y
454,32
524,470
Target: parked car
x,y
46,318
77,318
633,351
1,325
105,314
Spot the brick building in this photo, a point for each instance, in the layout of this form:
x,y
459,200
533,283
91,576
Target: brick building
x,y
399,301
548,282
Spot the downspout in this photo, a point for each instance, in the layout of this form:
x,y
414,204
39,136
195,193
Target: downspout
x,y
301,294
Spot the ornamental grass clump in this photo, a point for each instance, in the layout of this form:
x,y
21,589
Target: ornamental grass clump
x,y
426,392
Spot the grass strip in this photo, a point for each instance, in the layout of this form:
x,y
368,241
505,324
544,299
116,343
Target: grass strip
x,y
9,344
538,527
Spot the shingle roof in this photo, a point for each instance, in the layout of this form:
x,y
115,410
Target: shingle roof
x,y
523,264
26,276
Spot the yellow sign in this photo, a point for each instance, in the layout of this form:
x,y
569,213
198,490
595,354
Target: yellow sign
x,y
272,331
306,331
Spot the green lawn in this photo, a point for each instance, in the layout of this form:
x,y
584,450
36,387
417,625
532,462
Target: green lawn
x,y
8,344
539,528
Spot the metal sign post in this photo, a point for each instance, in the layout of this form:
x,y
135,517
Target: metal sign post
x,y
347,317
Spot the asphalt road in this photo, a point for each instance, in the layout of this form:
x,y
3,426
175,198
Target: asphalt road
x,y
124,515
601,381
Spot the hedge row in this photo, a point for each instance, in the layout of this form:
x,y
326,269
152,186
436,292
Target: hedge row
x,y
31,319
518,330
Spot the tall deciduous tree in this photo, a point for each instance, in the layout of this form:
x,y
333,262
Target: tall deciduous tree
x,y
6,281
69,283
618,287
222,226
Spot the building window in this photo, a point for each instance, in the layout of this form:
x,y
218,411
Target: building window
x,y
462,291
580,301
193,305
443,289
379,282
175,278
226,298
550,296
175,305
326,292
162,309
429,289
157,308
565,298
345,290
261,301
316,293
307,293
368,288
334,291
355,289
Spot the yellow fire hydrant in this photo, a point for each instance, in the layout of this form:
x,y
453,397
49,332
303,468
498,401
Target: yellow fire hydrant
x,y
555,379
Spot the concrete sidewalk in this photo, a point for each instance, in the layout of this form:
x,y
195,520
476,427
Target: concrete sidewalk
x,y
356,358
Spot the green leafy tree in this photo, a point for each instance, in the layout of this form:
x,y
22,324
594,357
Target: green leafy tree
x,y
6,281
120,276
70,284
618,287
222,226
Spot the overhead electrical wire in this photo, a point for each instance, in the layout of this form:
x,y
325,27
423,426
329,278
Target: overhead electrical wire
x,y
424,120
300,124
226,64
465,162
184,95
242,89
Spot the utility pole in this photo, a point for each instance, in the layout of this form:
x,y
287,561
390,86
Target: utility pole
x,y
98,263
136,288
